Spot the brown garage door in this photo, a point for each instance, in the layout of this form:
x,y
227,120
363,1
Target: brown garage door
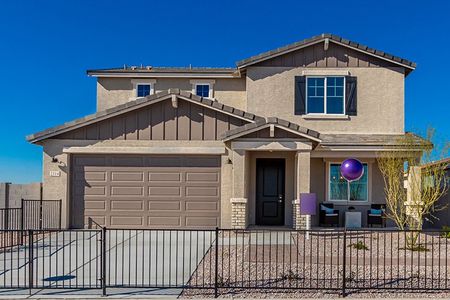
x,y
125,191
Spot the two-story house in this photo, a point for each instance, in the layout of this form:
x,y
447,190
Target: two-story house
x,y
229,147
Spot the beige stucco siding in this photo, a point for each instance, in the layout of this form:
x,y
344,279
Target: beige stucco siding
x,y
270,92
114,91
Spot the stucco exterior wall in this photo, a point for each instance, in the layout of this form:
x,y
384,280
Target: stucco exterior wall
x,y
114,91
270,92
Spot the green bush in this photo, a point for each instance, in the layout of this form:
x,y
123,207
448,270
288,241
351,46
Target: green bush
x,y
446,232
359,246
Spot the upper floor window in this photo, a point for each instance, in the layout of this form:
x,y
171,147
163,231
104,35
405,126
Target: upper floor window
x,y
202,90
143,90
142,87
325,95
203,87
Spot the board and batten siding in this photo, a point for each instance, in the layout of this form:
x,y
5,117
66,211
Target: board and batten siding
x,y
335,56
160,121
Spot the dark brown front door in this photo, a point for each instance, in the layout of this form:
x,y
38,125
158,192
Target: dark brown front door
x,y
270,191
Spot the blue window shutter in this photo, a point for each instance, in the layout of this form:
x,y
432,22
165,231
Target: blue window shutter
x,y
300,95
350,95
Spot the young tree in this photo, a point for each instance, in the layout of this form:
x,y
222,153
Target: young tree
x,y
411,158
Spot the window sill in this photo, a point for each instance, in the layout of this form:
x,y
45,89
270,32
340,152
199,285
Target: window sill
x,y
326,117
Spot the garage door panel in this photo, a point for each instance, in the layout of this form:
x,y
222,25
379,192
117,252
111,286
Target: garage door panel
x,y
126,204
164,205
169,221
162,191
202,177
126,220
164,177
127,191
202,191
95,205
202,221
202,206
131,191
127,176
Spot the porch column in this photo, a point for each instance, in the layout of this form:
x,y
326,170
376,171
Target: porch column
x,y
239,200
302,185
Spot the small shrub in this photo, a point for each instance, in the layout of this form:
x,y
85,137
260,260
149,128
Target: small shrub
x,y
359,246
416,248
290,276
446,232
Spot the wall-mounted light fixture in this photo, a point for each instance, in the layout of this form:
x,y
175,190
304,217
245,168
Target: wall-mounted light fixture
x,y
54,160
229,161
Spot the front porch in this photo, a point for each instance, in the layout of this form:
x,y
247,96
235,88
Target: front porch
x,y
267,185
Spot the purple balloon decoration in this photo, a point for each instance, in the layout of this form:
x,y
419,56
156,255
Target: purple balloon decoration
x,y
352,169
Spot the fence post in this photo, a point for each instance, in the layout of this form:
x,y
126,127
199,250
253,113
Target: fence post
x,y
103,260
40,214
344,264
22,227
216,266
30,260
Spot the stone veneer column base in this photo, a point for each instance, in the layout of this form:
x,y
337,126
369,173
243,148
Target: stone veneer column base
x,y
238,213
299,221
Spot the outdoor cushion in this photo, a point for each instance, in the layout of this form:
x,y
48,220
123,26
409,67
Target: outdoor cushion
x,y
330,215
376,212
327,209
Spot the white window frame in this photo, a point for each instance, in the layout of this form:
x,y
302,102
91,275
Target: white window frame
x,y
209,83
324,96
348,201
136,82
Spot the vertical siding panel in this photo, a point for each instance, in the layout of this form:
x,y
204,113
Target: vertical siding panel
x,y
157,122
331,56
104,132
221,123
118,128
143,124
131,126
196,122
363,60
352,58
92,132
341,57
319,55
299,58
209,127
79,134
309,57
183,126
170,122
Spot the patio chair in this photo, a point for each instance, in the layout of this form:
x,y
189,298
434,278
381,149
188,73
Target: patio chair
x,y
378,217
330,217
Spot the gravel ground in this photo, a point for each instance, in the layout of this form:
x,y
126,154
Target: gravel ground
x,y
284,260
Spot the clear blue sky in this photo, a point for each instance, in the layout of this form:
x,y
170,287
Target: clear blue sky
x,y
46,47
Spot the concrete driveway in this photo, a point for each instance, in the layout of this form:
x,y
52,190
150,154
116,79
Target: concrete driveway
x,y
134,258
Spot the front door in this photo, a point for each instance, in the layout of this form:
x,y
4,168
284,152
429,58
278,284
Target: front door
x,y
270,191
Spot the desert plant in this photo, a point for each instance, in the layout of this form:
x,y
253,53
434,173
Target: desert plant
x,y
359,246
446,232
427,182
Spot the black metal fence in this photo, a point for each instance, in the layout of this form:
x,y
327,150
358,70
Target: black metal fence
x,y
229,261
32,214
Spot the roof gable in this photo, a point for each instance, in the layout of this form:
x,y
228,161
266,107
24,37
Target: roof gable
x,y
278,128
326,50
172,114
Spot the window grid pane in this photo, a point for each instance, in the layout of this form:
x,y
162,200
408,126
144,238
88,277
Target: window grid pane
x,y
143,90
316,95
335,95
341,190
202,90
